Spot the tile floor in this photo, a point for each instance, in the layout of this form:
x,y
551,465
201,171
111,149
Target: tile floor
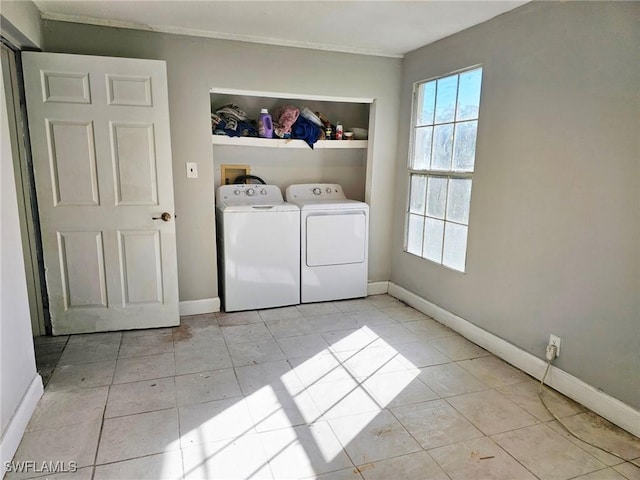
x,y
359,389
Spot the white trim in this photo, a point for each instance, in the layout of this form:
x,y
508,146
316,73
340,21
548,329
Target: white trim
x,y
284,143
605,405
18,423
288,95
12,35
15,37
59,17
196,307
377,288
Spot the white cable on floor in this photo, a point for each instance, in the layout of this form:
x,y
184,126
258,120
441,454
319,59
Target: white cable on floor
x,y
571,432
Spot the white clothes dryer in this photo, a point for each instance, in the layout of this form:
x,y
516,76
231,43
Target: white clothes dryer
x,y
334,242
258,238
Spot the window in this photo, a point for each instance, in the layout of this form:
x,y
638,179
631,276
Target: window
x,y
441,163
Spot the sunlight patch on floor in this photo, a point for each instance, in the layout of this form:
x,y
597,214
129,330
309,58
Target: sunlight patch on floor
x,y
358,374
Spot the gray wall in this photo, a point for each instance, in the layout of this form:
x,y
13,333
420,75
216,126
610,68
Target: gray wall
x,y
21,24
17,359
554,230
287,166
195,65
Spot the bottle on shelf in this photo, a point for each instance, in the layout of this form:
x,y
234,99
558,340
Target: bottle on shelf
x,y
338,131
265,124
327,132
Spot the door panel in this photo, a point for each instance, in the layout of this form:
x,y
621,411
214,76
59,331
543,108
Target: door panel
x,y
82,267
141,266
65,87
129,90
135,164
73,163
102,158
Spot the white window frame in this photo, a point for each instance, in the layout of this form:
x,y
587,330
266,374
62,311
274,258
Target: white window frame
x,y
450,174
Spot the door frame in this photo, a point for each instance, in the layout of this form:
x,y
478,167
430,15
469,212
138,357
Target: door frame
x,y
25,188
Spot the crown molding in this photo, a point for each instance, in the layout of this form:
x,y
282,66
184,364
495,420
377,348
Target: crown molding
x,y
57,17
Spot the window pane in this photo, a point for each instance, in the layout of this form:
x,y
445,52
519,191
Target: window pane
x,y
464,150
458,200
436,197
422,148
426,103
444,150
433,233
455,246
447,89
442,147
414,235
469,95
418,194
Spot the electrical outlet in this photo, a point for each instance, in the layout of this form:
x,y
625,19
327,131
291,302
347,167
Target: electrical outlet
x,y
555,340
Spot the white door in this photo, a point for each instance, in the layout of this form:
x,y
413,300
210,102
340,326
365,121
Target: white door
x,y
99,131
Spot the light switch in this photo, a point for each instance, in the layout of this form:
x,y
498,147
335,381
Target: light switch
x,y
192,170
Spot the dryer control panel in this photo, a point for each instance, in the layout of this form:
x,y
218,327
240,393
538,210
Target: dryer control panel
x,y
315,191
244,194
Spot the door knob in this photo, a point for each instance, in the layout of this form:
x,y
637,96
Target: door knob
x,y
165,217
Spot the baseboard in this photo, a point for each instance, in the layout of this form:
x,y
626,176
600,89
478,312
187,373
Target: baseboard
x,y
377,288
18,423
605,405
210,305
196,307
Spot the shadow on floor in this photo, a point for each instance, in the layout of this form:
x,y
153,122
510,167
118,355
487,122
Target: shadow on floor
x,y
48,352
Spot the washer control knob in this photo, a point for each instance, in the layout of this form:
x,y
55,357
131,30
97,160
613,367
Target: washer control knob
x,y
236,192
328,190
317,191
251,192
263,192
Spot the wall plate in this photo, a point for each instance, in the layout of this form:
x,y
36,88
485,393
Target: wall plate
x,y
192,169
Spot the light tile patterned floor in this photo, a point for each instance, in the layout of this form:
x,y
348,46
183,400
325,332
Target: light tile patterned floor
x,y
359,389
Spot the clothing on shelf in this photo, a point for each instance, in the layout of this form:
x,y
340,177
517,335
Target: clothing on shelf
x,y
288,122
284,118
232,121
305,130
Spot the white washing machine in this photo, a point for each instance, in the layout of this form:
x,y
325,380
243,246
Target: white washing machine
x,y
334,242
258,237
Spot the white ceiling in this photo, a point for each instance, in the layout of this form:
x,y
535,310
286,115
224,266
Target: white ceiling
x,y
376,27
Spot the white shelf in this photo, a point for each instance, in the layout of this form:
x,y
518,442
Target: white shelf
x,y
285,143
